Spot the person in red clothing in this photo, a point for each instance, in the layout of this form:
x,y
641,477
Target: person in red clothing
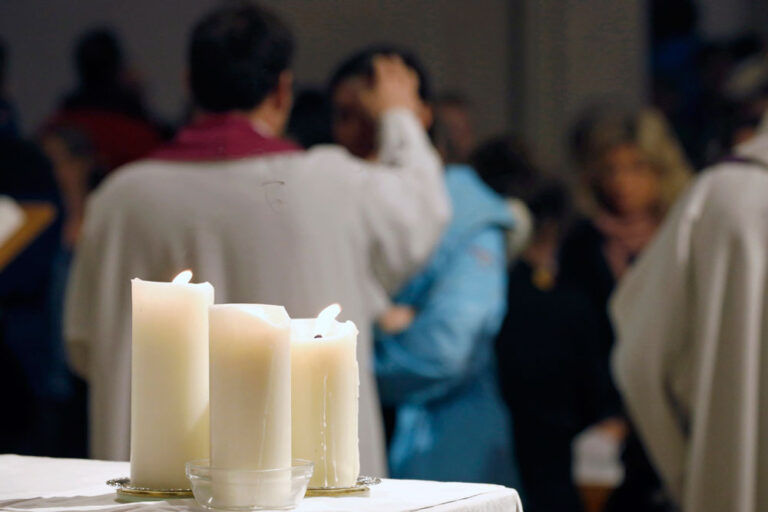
x,y
106,106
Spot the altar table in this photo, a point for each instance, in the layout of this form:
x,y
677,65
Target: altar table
x,y
42,484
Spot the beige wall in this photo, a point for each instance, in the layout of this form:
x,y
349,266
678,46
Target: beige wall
x,y
464,44
575,52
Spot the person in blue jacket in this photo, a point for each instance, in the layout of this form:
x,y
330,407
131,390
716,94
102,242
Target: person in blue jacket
x,y
434,349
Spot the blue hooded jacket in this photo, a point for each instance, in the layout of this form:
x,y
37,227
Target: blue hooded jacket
x,y
440,373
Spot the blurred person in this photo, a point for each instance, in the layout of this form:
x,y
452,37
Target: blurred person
x,y
454,134
505,165
107,105
547,357
310,121
37,387
73,160
632,170
678,81
74,164
746,89
352,126
253,214
691,339
434,346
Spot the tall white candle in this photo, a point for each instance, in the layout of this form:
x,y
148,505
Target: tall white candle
x,y
250,387
169,380
325,397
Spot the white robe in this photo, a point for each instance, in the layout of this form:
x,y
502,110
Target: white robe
x,y
692,341
302,229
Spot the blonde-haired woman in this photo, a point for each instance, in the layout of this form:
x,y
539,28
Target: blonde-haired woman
x,y
631,170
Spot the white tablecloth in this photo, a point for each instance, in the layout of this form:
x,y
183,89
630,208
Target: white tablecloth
x,y
74,485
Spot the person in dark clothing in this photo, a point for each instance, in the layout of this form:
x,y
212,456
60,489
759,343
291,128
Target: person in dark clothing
x,y
46,407
100,67
632,170
33,355
546,351
106,105
25,324
550,381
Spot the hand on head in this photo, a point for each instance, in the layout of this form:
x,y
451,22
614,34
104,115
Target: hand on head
x,y
393,85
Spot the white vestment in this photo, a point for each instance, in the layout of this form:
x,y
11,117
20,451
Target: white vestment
x,y
692,341
301,229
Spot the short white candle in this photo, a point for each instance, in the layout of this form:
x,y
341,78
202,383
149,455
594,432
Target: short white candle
x,y
250,387
325,397
169,380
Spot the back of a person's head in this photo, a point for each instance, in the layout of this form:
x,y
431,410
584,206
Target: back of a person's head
x,y
236,55
504,164
360,64
549,200
310,121
98,58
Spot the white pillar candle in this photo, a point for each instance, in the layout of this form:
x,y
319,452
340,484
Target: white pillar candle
x,y
325,397
250,387
169,380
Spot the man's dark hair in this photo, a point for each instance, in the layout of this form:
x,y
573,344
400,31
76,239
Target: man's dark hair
x,y
236,55
361,64
98,58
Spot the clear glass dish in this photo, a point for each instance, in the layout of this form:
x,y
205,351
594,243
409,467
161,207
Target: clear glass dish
x,y
249,489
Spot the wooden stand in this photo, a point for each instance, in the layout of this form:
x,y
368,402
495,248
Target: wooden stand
x,y
37,217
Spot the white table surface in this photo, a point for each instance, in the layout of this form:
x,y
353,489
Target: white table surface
x,y
74,485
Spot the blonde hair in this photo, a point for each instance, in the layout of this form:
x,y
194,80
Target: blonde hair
x,y
600,130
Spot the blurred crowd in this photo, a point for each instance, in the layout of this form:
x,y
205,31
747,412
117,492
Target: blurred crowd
x,y
493,353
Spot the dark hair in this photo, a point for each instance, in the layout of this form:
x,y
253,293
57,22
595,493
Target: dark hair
x,y
236,55
98,57
550,201
504,164
361,64
310,121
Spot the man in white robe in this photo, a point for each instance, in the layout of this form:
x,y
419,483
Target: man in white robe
x,y
261,220
692,353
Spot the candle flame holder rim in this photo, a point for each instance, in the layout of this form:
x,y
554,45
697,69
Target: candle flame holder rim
x,y
124,487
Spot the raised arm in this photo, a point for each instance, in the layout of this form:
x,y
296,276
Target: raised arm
x,y
402,198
